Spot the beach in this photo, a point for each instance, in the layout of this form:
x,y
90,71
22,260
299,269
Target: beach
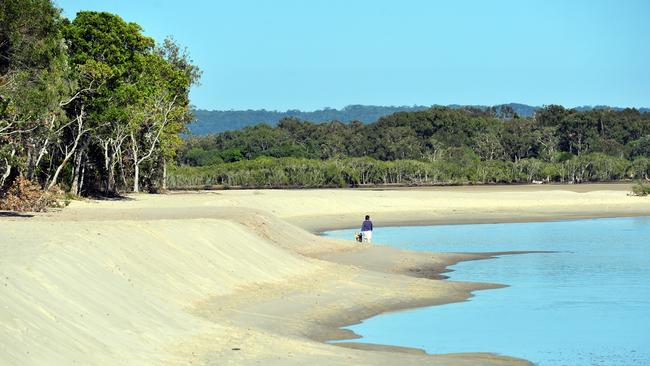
x,y
239,277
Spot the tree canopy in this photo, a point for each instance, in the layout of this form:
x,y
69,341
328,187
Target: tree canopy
x,y
90,104
439,145
94,106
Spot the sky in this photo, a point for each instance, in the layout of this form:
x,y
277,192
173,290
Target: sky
x,y
310,54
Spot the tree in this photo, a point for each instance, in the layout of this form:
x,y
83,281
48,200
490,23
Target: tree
x,y
399,143
547,142
519,140
487,143
550,115
113,51
33,85
88,100
640,147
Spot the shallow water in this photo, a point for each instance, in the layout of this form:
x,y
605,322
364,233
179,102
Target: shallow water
x,y
587,304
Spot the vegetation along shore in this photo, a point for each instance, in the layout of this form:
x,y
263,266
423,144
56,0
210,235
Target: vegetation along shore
x,y
89,105
440,145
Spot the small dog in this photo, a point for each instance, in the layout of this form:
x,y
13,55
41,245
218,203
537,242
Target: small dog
x,y
358,237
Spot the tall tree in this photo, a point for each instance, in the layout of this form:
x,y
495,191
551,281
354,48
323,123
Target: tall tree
x,y
116,52
34,86
163,107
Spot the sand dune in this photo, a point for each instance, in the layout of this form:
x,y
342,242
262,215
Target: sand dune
x,y
94,293
228,278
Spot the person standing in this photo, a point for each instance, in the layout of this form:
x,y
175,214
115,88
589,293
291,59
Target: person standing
x,y
366,230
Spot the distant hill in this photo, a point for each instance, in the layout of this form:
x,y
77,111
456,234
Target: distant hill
x,y
219,121
207,122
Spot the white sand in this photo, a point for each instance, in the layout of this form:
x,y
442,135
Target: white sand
x,y
184,278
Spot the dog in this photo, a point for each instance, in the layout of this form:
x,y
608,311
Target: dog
x,y
358,237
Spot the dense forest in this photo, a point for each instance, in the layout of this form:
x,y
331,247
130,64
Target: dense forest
x,y
208,122
89,105
439,145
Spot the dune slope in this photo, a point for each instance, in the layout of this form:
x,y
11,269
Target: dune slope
x,y
115,291
199,279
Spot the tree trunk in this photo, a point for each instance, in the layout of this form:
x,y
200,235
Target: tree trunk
x,y
6,175
120,164
70,151
75,189
58,171
164,177
81,179
111,176
136,164
7,172
107,163
34,163
602,127
136,178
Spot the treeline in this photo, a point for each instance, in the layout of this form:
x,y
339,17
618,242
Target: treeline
x,y
446,145
90,104
266,172
554,134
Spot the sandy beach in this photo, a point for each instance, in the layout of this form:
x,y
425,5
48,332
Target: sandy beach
x,y
238,277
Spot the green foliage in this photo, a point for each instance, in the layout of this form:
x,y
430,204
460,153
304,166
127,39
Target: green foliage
x,y
90,103
434,146
34,79
641,189
267,172
640,147
95,105
640,168
29,34
554,135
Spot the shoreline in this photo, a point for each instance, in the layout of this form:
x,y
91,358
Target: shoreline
x,y
465,219
240,277
345,338
329,329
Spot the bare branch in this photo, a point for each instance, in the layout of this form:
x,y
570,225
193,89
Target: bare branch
x,y
77,94
164,122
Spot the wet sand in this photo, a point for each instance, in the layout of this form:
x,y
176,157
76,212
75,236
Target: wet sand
x,y
238,277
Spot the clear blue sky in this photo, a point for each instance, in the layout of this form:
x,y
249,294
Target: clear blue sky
x,y
286,54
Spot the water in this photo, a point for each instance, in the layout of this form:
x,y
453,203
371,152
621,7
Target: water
x,y
587,304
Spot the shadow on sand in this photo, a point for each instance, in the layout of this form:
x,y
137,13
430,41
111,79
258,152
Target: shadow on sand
x,y
14,214
113,197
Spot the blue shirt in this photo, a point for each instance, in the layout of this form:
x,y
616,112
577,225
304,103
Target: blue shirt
x,y
366,226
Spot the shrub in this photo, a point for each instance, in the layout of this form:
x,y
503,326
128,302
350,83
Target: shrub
x,y
25,195
641,189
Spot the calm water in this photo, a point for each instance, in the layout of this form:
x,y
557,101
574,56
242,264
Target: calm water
x,y
588,304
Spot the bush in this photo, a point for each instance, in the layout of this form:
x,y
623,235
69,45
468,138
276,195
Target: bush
x,y
641,189
25,195
640,168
